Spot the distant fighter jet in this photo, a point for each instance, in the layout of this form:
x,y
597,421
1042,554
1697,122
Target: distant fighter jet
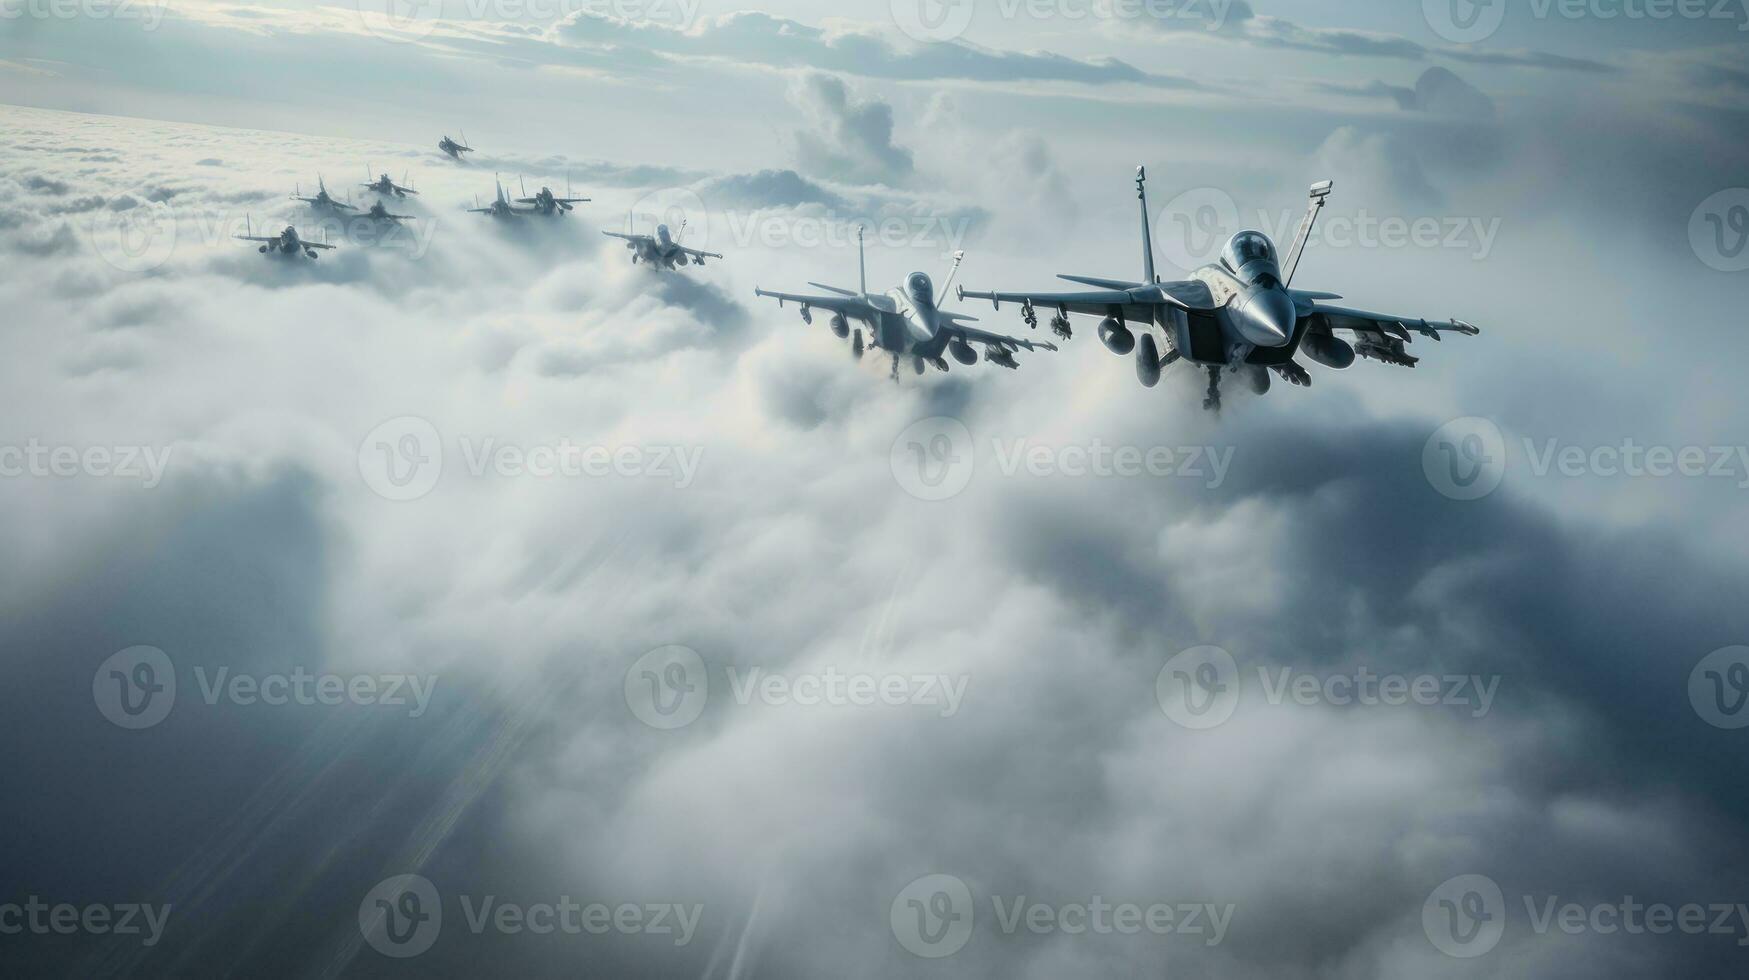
x,y
322,202
286,242
386,186
546,203
502,208
906,322
454,149
663,249
378,212
1237,316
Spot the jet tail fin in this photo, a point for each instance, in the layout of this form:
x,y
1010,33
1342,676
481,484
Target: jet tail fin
x,y
862,262
1320,196
1148,273
959,258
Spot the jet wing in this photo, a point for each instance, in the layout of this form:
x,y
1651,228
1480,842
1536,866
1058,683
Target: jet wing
x,y
1380,336
1136,304
850,306
698,254
257,238
325,248
1382,325
974,335
641,239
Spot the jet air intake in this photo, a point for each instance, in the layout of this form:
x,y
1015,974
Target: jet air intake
x,y
1329,351
1116,337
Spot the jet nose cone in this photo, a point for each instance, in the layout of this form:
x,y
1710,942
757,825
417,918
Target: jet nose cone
x,y
1270,318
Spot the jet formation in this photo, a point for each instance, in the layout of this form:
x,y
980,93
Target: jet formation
x,y
1239,317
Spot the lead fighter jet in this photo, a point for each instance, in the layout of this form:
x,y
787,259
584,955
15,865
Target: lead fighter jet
x,y
1237,316
662,249
907,322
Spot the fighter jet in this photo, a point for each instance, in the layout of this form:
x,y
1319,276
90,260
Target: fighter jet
x,y
378,212
286,242
322,201
546,203
907,322
663,249
454,149
386,186
501,208
1238,316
